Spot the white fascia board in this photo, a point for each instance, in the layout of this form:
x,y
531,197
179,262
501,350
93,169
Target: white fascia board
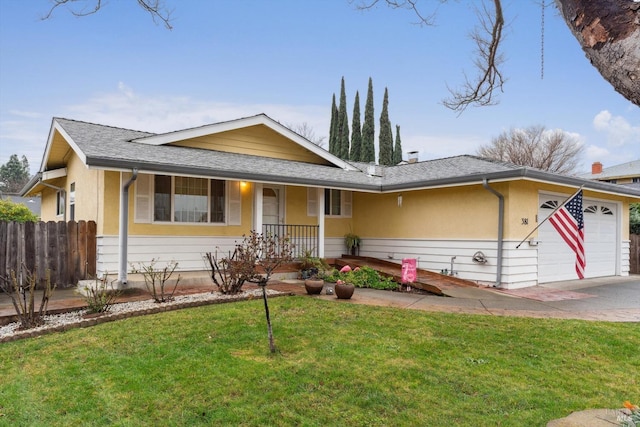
x,y
55,126
180,135
47,148
53,174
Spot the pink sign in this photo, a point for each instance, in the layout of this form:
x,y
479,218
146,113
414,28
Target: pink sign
x,y
408,270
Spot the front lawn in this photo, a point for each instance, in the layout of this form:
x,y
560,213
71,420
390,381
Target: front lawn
x,y
338,364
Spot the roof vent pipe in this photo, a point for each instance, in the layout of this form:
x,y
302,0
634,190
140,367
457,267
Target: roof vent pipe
x,y
485,184
123,235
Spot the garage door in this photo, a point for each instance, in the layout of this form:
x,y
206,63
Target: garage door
x,y
556,261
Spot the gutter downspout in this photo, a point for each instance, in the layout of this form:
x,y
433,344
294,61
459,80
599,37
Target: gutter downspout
x,y
123,234
485,184
64,215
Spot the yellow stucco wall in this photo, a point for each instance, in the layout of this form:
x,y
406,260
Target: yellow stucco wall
x,y
296,207
110,209
48,202
459,212
256,140
87,184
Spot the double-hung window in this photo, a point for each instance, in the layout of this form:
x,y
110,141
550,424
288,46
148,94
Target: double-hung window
x,y
332,202
188,200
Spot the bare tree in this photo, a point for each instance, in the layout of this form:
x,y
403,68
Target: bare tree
x,y
156,9
548,150
305,130
608,31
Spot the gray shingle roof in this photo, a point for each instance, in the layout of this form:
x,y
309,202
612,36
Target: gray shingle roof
x,y
625,170
112,148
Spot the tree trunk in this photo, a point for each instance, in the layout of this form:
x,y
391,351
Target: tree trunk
x,y
609,33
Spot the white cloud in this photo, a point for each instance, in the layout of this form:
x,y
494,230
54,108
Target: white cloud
x,y
127,109
618,131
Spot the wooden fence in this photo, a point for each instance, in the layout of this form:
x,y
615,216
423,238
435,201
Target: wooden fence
x,y
66,249
634,254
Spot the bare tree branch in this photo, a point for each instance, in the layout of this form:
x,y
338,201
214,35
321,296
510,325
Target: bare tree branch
x,y
155,8
305,130
488,59
398,4
549,150
487,36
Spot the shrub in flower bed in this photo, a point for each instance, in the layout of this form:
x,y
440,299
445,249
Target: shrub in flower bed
x,y
362,277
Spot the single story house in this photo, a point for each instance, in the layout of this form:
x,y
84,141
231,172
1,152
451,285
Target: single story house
x,y
177,195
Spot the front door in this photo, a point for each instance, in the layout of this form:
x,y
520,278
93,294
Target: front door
x,y
272,205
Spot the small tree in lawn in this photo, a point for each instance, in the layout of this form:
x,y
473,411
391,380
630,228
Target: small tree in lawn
x,y
253,260
270,252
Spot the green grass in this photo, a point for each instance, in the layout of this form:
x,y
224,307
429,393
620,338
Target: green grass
x,y
338,364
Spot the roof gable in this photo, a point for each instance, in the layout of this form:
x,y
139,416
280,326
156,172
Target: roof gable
x,y
256,135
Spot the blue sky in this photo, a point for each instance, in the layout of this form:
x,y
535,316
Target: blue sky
x,y
227,59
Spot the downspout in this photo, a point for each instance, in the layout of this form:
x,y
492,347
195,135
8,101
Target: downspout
x,y
123,235
485,184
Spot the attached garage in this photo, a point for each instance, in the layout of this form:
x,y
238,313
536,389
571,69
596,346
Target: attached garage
x,y
556,260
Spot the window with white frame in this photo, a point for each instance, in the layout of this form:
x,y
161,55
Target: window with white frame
x,y
188,200
332,202
337,203
61,202
72,201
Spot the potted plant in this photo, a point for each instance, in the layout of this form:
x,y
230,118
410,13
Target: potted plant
x,y
311,268
344,290
352,242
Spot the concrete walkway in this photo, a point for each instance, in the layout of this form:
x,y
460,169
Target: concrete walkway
x,y
613,299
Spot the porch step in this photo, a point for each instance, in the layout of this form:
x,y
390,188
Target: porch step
x,y
426,280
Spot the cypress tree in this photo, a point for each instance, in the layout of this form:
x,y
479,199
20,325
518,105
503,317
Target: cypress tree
x,y
342,148
385,153
356,132
333,128
397,149
368,150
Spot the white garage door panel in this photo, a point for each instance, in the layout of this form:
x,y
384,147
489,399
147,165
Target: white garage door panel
x,y
556,261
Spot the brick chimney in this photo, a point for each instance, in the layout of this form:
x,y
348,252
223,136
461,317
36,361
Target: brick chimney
x,y
596,168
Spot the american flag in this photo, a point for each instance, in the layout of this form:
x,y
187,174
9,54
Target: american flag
x,y
569,222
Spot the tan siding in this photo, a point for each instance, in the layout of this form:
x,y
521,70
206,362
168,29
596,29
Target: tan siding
x,y
256,140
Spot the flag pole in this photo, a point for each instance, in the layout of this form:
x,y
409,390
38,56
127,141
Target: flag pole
x,y
549,216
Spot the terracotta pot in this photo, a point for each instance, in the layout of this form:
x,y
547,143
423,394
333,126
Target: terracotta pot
x,y
344,291
314,286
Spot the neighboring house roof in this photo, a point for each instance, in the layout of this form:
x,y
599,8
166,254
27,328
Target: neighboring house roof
x,y
121,149
625,170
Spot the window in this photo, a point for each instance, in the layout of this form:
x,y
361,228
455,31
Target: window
x,y
72,201
186,199
332,202
591,209
61,202
549,204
